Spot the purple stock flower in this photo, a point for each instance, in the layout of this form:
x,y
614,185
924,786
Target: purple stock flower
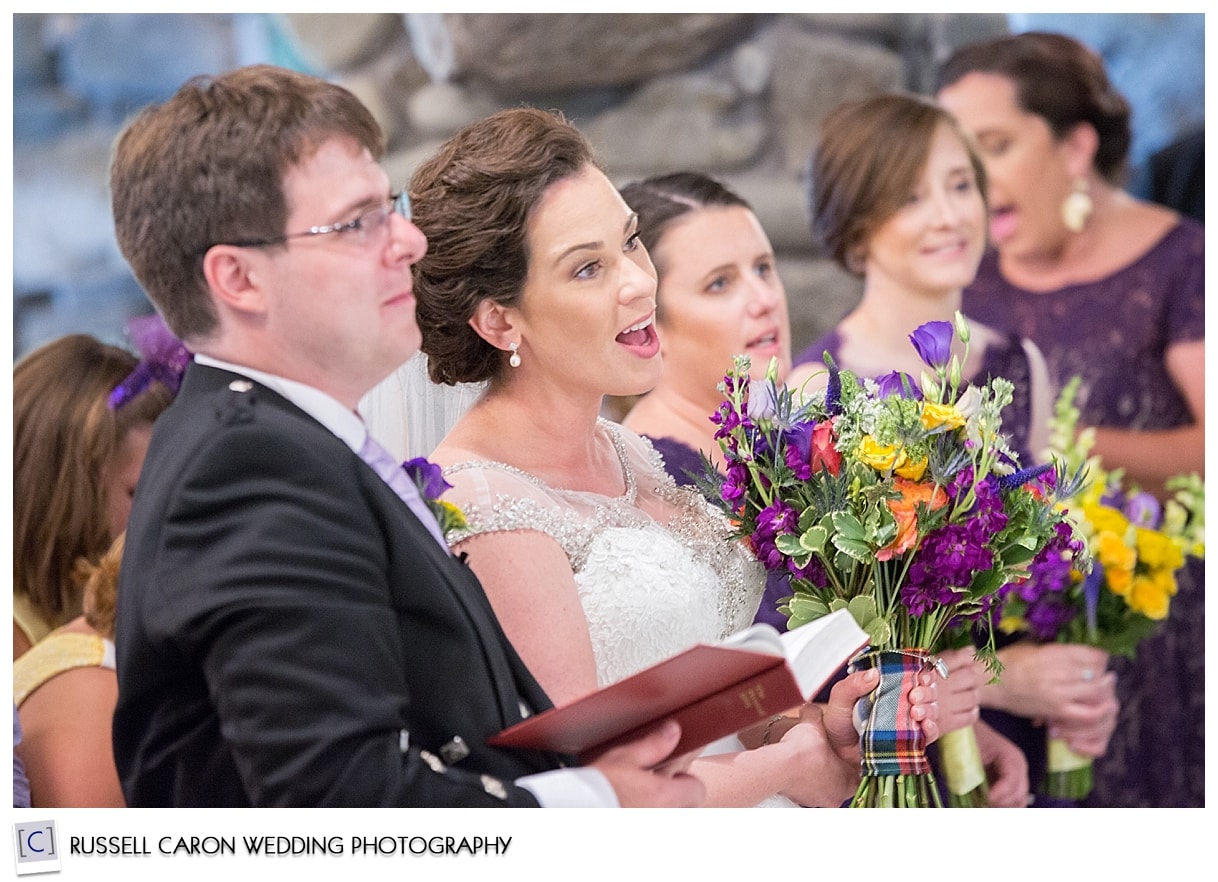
x,y
933,341
427,476
1047,616
898,383
736,483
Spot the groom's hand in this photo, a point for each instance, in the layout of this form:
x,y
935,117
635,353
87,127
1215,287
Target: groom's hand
x,y
635,772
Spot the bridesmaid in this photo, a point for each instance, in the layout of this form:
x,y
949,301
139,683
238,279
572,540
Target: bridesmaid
x,y
1112,289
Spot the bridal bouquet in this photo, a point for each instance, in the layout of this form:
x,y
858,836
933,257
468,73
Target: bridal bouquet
x,y
1137,545
899,500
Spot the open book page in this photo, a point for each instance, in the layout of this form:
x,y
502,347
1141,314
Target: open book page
x,y
814,651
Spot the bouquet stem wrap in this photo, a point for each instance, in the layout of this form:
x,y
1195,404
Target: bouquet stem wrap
x,y
960,758
895,770
1069,774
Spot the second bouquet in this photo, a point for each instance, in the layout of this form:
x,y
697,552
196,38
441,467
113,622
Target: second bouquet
x,y
899,499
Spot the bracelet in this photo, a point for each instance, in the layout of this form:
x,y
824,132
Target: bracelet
x,y
765,736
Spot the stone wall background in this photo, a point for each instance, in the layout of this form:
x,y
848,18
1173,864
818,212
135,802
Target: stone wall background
x,y
737,95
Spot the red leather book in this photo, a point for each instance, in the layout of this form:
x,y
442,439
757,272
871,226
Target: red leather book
x,y
712,690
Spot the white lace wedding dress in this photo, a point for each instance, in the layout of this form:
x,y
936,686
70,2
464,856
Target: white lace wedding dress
x,y
649,589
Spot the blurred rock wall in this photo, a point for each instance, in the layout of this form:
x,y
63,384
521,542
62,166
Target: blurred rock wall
x,y
737,95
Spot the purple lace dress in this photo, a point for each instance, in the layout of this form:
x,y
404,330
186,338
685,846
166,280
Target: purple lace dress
x,y
1113,333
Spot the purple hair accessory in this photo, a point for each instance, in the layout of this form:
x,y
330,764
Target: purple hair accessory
x,y
163,359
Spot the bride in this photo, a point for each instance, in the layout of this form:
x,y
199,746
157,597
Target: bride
x,y
596,563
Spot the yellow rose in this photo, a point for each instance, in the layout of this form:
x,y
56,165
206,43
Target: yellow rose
x,y
1165,581
1147,598
1118,580
914,470
936,415
1158,551
1112,551
880,457
1106,519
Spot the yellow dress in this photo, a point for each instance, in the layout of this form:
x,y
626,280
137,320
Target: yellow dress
x,y
31,622
58,652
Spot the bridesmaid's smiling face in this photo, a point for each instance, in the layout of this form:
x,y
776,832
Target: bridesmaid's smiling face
x,y
586,314
934,242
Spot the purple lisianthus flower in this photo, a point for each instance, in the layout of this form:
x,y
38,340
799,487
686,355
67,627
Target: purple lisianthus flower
x,y
1143,510
933,341
799,438
1113,496
898,383
427,476
763,400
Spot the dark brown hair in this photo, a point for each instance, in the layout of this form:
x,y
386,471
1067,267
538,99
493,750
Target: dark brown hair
x,y
868,160
661,199
1060,80
207,167
64,439
473,200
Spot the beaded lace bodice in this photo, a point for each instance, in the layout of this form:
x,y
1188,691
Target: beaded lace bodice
x,y
650,584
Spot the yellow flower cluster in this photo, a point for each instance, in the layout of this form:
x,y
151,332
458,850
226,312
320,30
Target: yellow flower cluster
x,y
890,457
1139,564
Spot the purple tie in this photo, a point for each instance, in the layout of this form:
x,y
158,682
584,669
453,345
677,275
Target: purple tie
x,y
395,476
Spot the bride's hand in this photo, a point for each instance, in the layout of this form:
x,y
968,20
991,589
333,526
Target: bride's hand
x,y
823,778
839,712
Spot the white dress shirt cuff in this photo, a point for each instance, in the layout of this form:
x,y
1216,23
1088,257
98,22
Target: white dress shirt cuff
x,y
571,788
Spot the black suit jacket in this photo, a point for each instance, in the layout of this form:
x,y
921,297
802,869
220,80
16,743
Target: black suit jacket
x,y
289,633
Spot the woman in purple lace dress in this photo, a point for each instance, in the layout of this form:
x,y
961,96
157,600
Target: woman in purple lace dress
x,y
1111,289
720,295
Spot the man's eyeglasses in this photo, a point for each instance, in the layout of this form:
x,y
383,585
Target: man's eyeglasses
x,y
361,229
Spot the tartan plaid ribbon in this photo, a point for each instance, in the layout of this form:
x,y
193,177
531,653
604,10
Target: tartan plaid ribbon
x,y
890,741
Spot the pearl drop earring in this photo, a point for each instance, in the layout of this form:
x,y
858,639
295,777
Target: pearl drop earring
x,y
514,361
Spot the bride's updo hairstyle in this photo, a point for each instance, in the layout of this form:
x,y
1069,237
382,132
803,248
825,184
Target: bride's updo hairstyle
x,y
473,200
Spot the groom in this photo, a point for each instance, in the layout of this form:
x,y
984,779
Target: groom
x,y
291,630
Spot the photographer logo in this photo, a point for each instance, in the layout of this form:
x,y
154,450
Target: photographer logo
x,y
36,847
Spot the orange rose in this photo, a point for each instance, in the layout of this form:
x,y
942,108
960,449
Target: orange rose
x,y
905,511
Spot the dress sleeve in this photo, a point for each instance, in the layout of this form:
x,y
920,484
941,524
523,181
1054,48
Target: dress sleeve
x,y
494,499
1185,318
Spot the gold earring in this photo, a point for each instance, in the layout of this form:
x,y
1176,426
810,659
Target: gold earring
x,y
514,361
1077,207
